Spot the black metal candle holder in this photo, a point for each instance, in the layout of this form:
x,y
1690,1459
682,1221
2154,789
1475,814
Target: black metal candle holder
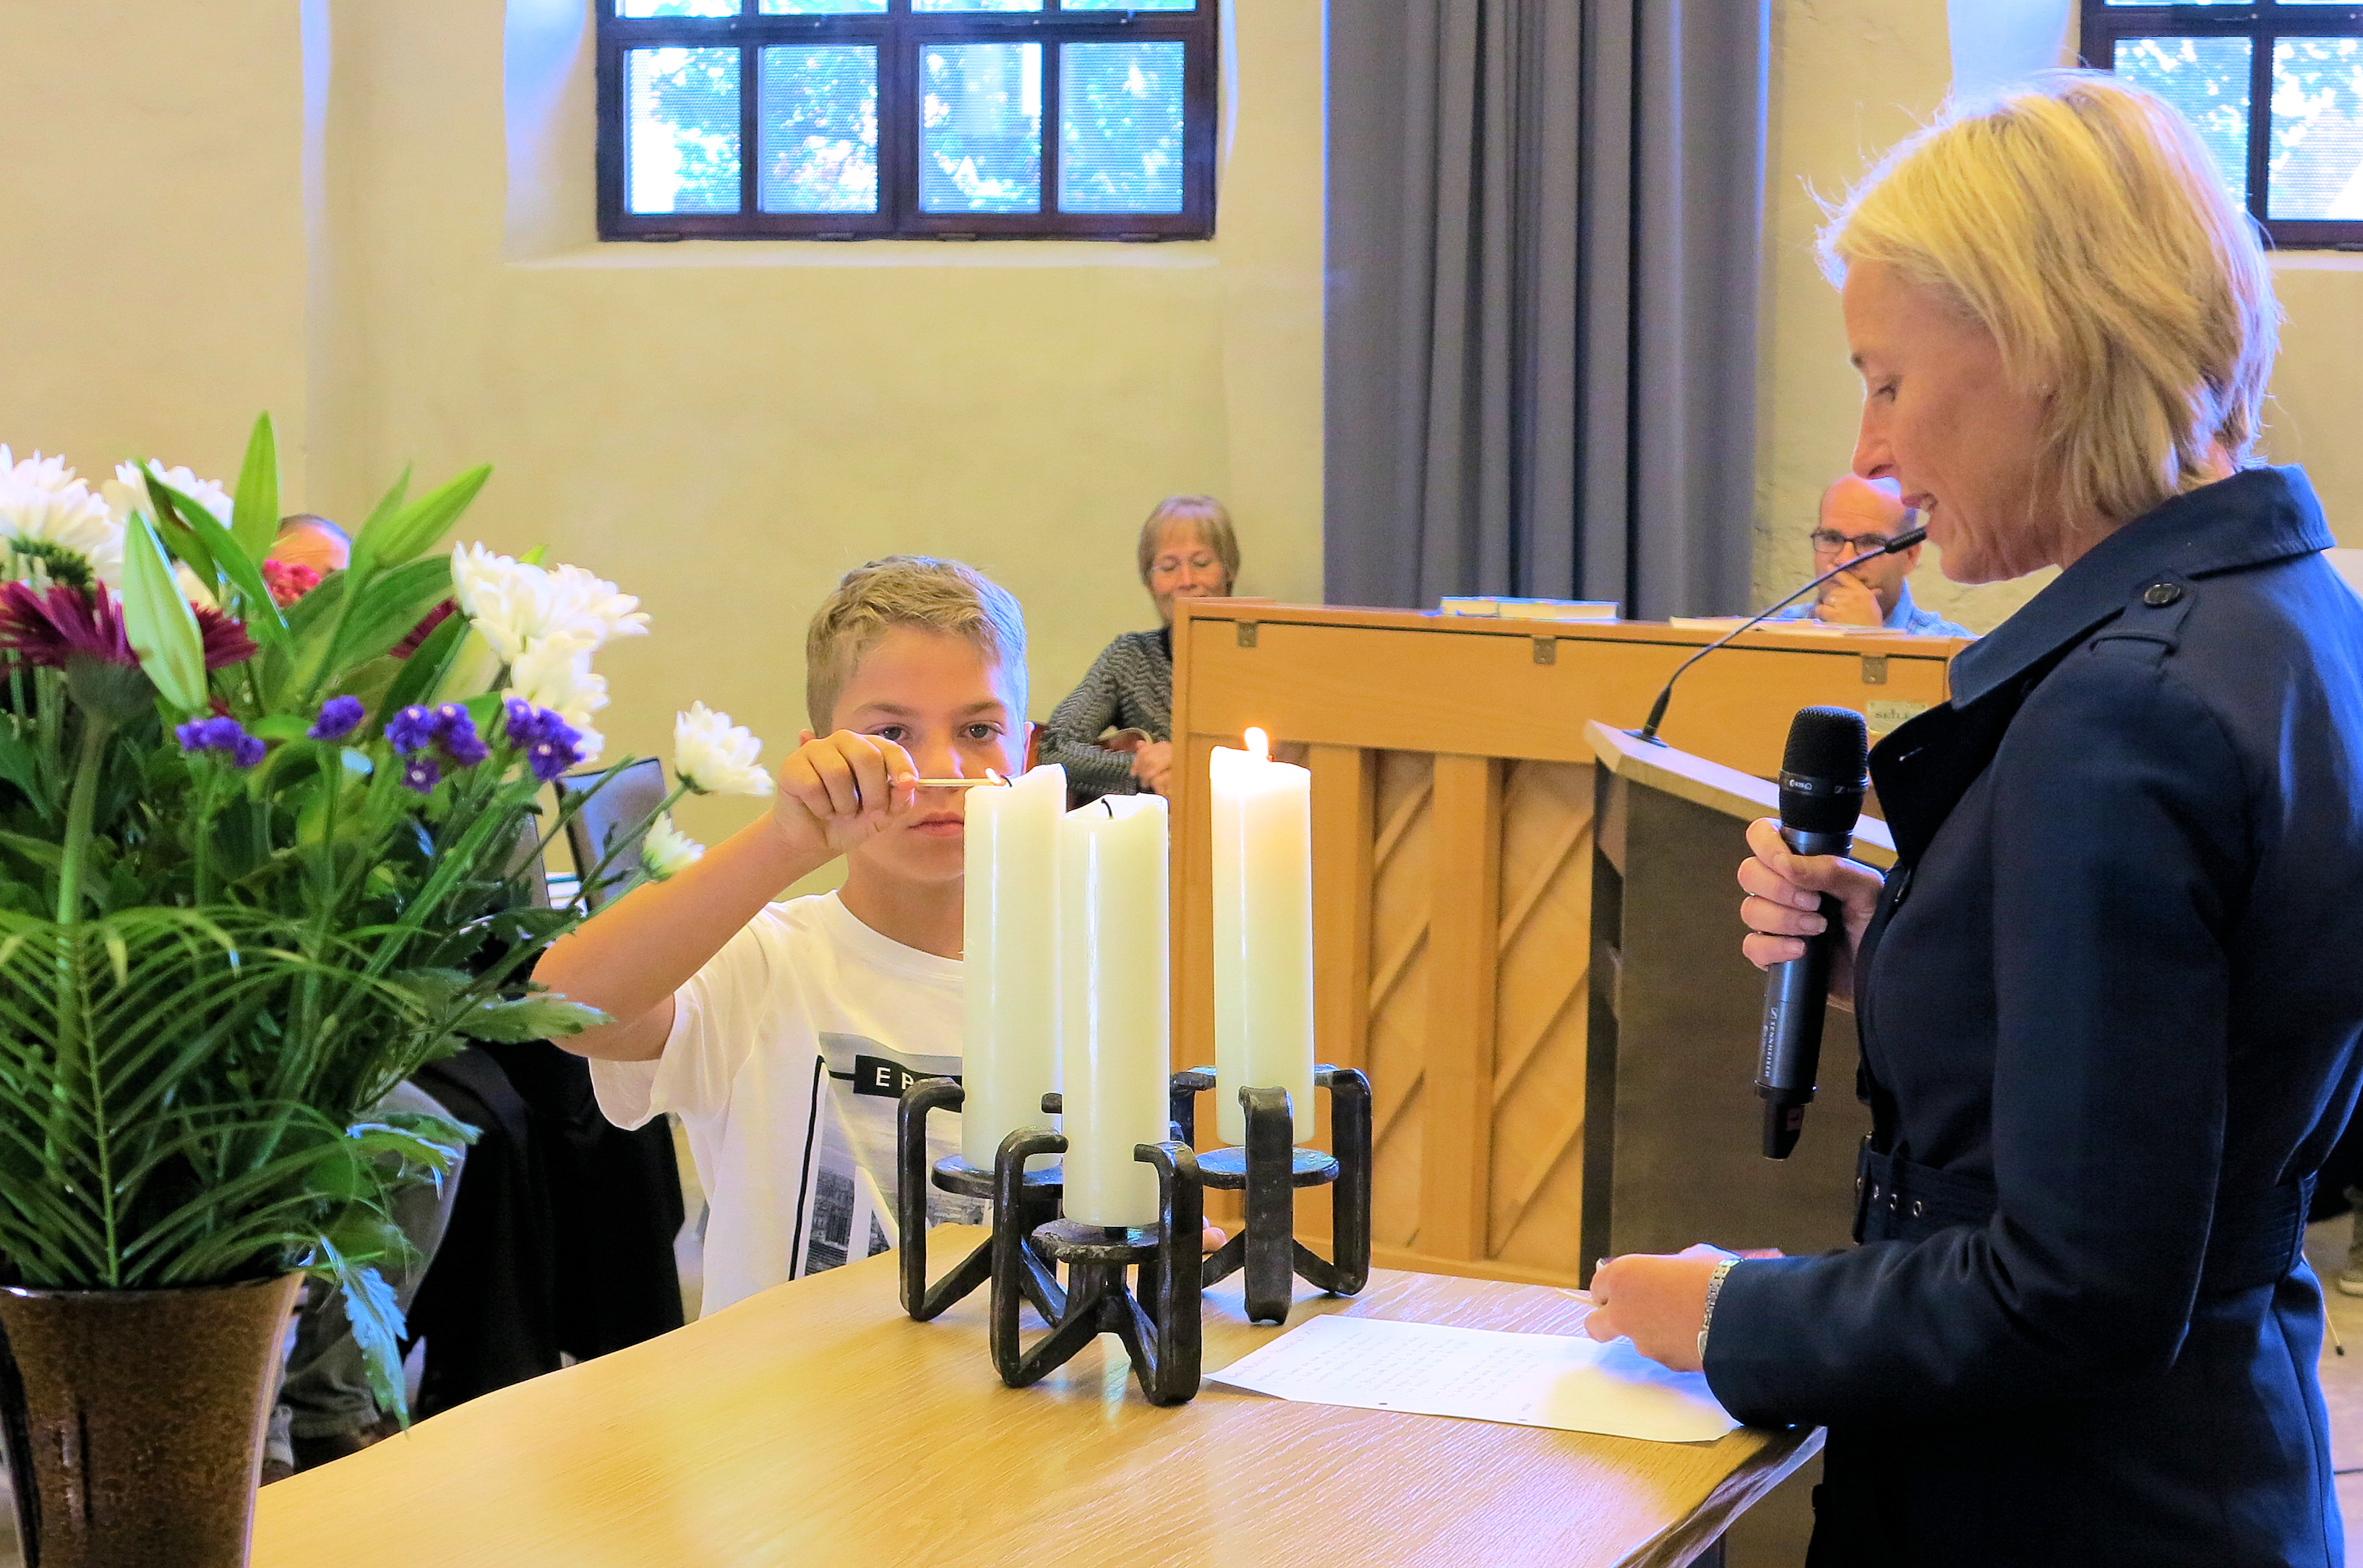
x,y
1034,1204
1269,1168
1156,1318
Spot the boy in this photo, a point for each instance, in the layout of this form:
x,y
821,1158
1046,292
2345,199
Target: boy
x,y
784,1033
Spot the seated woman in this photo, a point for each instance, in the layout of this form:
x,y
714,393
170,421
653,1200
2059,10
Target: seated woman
x,y
1187,550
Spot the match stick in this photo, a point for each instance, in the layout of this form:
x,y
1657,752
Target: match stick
x,y
957,784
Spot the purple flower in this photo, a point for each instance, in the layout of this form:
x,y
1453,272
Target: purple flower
x,y
524,723
225,735
550,758
340,717
463,745
415,728
422,775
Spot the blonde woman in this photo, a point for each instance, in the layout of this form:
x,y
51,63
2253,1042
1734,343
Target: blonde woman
x,y
1187,550
2109,997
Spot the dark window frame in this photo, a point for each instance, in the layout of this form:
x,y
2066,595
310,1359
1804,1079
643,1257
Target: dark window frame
x,y
2261,23
899,35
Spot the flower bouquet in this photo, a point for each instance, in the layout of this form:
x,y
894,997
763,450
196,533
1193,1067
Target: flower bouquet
x,y
266,843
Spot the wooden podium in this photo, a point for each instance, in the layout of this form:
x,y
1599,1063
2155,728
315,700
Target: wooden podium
x,y
1453,782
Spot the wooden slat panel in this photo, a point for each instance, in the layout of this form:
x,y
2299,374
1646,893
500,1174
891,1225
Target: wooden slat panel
x,y
1534,1197
1464,905
1395,1041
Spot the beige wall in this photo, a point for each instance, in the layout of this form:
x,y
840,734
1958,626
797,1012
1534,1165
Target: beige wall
x,y
152,277
1850,78
722,429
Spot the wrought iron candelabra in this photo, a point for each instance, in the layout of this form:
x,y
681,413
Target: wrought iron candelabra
x,y
1142,1284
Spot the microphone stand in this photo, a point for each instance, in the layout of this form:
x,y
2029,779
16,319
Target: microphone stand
x,y
1649,731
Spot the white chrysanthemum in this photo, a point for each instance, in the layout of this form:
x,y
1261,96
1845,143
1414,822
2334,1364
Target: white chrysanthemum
x,y
42,500
516,606
667,850
556,673
126,493
584,605
714,756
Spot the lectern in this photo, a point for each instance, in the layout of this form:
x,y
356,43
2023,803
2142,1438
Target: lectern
x,y
1673,1146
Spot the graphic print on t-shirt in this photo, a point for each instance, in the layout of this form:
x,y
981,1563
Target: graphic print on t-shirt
x,y
849,1166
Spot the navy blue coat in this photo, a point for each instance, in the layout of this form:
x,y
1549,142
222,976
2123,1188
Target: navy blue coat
x,y
2108,1011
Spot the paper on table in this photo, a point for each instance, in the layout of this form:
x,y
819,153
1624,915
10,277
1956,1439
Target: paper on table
x,y
1566,1382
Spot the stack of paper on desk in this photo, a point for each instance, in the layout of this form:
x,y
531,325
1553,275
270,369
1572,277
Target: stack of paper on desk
x,y
1572,1383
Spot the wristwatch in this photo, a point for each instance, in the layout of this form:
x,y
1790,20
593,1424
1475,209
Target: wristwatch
x,y
1714,1289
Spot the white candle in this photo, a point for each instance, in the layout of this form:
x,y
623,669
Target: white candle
x,y
1263,933
1115,1004
1010,961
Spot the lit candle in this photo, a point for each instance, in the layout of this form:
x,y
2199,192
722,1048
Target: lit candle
x,y
1114,1005
1010,961
1263,932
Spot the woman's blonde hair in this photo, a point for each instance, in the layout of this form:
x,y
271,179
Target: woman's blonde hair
x,y
1201,512
2081,221
915,591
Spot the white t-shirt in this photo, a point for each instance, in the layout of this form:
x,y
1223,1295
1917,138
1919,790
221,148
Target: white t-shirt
x,y
799,1178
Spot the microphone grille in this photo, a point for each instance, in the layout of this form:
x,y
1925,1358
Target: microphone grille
x,y
1827,743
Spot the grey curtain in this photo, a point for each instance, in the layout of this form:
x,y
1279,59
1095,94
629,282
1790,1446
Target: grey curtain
x,y
1544,221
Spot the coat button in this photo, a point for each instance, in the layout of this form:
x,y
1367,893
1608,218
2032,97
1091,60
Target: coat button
x,y
2157,596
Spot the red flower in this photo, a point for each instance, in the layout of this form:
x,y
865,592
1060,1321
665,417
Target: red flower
x,y
47,628
287,582
44,629
417,636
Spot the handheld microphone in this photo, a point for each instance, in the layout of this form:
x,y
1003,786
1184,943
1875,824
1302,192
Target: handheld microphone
x,y
1895,546
1821,786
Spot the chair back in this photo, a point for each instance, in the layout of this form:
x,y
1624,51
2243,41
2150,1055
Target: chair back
x,y
606,824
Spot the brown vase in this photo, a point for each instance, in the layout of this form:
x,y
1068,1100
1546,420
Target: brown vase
x,y
133,1419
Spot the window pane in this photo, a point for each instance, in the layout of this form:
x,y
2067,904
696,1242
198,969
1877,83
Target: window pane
x,y
820,8
1160,5
2317,147
676,7
681,141
2207,79
976,5
817,121
981,128
1120,127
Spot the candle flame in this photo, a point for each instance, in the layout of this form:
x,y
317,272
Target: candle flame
x,y
992,776
1259,745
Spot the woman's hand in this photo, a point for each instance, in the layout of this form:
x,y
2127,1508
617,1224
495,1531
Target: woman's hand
x,y
1153,765
1659,1301
1783,903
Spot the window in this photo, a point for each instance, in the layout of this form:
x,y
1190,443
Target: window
x,y
853,120
2276,90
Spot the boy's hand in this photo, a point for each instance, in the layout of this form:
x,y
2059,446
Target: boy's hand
x,y
837,791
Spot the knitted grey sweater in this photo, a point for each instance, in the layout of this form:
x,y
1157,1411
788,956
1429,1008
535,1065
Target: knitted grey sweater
x,y
1129,686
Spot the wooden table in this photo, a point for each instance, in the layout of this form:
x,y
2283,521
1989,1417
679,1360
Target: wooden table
x,y
814,1425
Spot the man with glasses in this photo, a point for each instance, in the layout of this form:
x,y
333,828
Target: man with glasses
x,y
1860,514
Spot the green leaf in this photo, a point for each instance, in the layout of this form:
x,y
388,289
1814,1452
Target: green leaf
x,y
40,852
389,607
279,727
376,1318
158,622
259,610
424,669
543,1016
255,519
404,536
184,542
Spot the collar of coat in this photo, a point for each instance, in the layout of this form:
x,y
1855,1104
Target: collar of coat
x,y
2258,515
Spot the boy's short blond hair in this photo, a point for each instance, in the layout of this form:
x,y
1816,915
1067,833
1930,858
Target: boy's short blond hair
x,y
915,591
2079,221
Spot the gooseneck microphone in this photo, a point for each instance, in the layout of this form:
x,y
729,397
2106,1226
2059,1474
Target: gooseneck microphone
x,y
1822,785
1895,546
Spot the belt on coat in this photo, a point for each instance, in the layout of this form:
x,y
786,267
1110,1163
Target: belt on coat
x,y
2255,1238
